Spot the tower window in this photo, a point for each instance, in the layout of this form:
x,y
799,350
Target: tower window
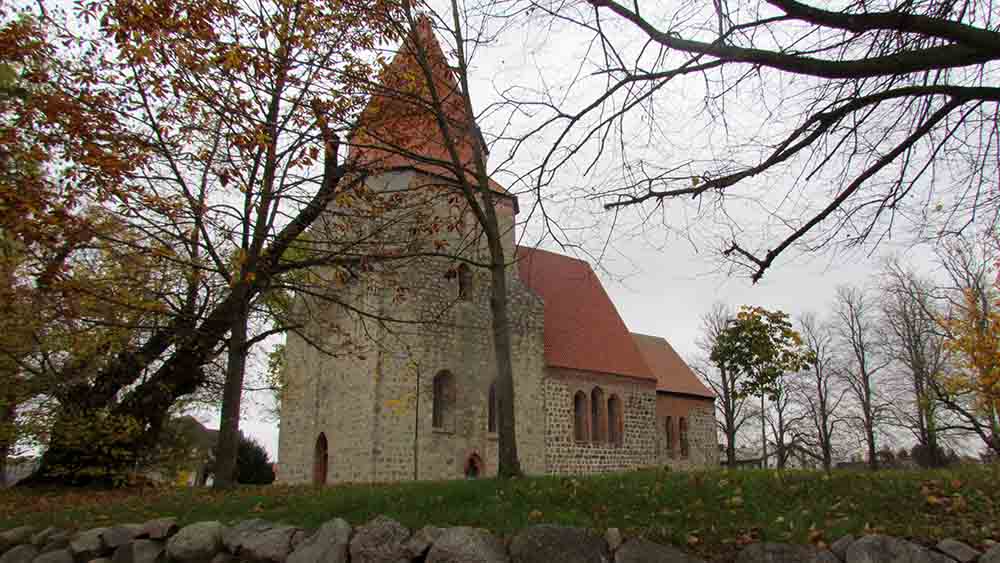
x,y
580,416
464,283
443,412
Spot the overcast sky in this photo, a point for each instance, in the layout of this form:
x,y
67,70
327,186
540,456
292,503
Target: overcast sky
x,y
661,277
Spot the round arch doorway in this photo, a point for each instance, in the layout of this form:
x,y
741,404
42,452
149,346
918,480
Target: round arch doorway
x,y
321,460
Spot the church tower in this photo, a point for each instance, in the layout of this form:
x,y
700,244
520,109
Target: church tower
x,y
412,395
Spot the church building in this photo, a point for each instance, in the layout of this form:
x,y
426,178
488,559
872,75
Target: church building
x,y
419,401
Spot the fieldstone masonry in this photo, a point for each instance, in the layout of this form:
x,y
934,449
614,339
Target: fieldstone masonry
x,y
366,415
565,455
361,411
383,540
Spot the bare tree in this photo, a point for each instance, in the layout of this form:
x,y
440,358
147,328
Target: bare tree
x,y
784,416
916,344
729,403
857,327
852,109
819,391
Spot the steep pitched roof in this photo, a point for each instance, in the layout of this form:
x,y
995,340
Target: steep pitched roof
x,y
672,373
399,128
582,327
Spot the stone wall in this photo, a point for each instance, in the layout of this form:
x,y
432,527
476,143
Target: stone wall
x,y
384,540
564,454
374,401
703,450
461,343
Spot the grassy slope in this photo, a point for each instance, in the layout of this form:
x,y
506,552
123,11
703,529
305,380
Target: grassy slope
x,y
711,513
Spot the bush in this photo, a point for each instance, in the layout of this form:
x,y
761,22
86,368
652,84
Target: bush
x,y
253,466
924,457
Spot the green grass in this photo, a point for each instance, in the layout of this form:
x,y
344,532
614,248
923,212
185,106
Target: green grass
x,y
711,513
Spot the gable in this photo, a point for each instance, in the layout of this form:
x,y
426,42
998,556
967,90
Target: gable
x,y
582,327
673,375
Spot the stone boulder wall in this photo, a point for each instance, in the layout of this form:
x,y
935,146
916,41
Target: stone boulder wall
x,y
384,540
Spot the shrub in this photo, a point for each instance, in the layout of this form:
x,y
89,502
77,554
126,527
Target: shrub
x,y
253,466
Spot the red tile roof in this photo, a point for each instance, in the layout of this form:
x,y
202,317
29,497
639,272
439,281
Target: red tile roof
x,y
582,327
672,373
398,128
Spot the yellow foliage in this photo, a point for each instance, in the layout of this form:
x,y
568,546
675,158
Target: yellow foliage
x,y
974,340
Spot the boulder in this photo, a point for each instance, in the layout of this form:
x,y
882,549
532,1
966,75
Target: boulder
x,y
839,547
379,541
826,556
885,549
466,545
88,544
638,550
55,556
140,551
16,536
271,546
159,529
224,557
39,539
958,551
769,552
23,553
117,536
547,543
992,555
196,543
100,560
614,538
297,538
234,537
421,541
59,540
328,544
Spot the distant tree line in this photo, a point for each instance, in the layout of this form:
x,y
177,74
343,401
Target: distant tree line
x,y
908,358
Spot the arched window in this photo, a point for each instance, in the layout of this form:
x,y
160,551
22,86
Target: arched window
x,y
321,460
615,420
444,401
464,283
682,427
669,424
598,420
492,409
580,416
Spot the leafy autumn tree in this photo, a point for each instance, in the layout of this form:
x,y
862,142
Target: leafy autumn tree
x,y
238,156
731,414
760,346
73,281
971,325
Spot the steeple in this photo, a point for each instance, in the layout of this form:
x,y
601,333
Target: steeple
x,y
399,127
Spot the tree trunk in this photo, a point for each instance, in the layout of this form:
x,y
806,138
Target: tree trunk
x,y
763,434
730,440
870,438
509,464
7,438
229,428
